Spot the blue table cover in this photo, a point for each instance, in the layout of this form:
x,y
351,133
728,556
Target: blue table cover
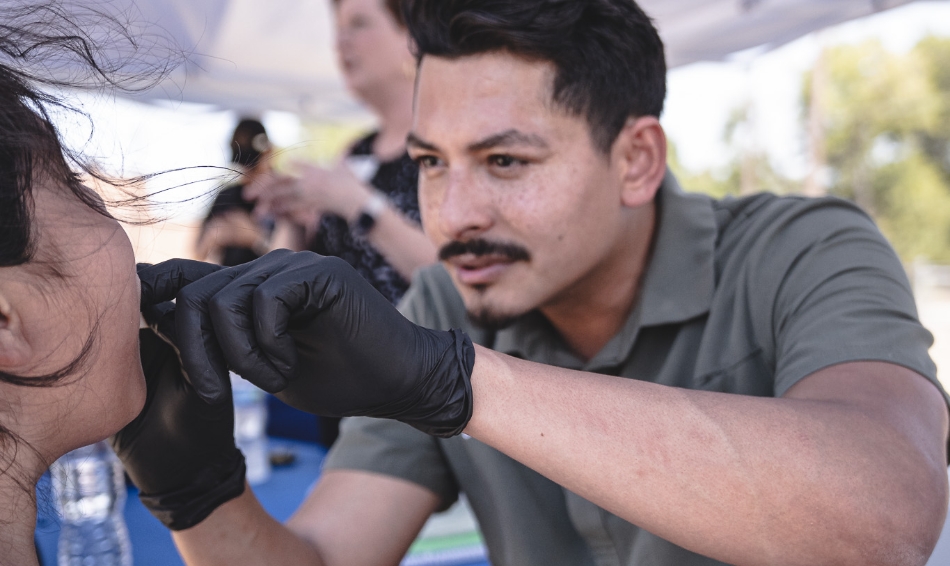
x,y
151,541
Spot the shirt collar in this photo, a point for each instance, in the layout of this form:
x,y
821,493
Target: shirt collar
x,y
678,286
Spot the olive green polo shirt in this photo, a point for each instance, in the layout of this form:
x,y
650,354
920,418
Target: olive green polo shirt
x,y
744,296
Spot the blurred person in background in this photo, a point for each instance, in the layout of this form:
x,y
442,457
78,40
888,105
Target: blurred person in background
x,y
229,235
366,209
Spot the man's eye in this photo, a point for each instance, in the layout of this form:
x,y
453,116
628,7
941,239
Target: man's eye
x,y
427,161
505,161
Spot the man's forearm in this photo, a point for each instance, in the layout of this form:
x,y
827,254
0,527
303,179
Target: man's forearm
x,y
741,479
350,517
241,532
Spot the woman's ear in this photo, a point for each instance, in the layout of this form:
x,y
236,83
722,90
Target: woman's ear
x,y
15,351
639,152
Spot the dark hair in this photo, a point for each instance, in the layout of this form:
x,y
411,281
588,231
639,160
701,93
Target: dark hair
x,y
393,6
248,142
49,44
608,57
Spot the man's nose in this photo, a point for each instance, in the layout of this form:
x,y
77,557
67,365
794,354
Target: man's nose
x,y
466,209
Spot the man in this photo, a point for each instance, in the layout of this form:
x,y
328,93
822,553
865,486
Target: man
x,y
699,382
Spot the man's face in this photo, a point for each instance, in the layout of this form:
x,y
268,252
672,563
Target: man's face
x,y
525,211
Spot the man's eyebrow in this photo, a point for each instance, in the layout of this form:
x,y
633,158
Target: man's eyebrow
x,y
508,137
414,140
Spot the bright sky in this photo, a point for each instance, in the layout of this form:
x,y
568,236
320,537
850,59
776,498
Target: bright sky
x,y
134,138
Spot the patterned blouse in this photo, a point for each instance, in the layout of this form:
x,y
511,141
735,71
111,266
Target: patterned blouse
x,y
398,180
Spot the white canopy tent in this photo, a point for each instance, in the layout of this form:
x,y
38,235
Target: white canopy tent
x,y
251,56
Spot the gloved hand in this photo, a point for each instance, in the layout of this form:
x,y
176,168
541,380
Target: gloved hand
x,y
311,330
180,450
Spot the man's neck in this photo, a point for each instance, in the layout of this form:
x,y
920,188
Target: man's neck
x,y
593,311
393,108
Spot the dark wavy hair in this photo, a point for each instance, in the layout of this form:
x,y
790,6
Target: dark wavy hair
x,y
608,57
45,47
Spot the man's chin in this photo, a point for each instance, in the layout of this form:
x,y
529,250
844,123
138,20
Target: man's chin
x,y
491,320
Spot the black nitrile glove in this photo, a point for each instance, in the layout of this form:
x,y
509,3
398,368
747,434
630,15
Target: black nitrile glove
x,y
160,284
311,330
180,450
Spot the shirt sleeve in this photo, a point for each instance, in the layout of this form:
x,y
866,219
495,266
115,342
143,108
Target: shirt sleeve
x,y
841,295
393,449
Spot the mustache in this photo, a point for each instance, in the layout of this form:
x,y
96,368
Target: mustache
x,y
479,247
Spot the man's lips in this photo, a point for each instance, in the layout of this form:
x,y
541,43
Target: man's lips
x,y
480,269
481,262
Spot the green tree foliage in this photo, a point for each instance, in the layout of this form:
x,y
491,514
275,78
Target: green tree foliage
x,y
749,171
934,53
713,184
887,139
728,181
885,123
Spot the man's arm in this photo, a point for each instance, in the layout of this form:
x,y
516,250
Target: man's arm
x,y
350,518
849,467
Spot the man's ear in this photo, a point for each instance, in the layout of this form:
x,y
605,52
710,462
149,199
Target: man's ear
x,y
639,155
15,351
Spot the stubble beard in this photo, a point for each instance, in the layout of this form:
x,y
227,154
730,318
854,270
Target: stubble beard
x,y
491,318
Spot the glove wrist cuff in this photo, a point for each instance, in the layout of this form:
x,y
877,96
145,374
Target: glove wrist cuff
x,y
452,414
184,508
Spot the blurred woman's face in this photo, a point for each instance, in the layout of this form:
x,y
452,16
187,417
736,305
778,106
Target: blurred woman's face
x,y
372,49
81,284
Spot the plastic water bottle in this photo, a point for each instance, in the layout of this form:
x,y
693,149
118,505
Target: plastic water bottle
x,y
250,428
89,486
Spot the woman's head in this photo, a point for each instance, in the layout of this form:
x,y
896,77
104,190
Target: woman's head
x,y
69,367
249,143
372,46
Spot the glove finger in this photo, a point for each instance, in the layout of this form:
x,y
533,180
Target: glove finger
x,y
297,296
231,315
275,302
201,355
162,282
